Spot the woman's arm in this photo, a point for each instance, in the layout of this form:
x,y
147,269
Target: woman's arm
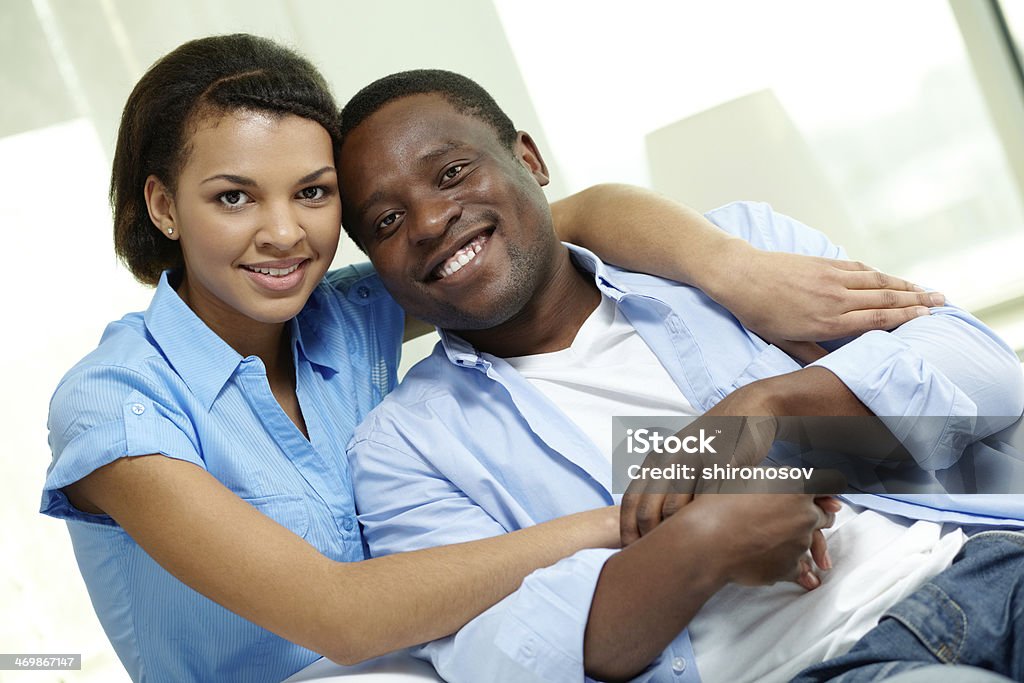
x,y
779,296
348,612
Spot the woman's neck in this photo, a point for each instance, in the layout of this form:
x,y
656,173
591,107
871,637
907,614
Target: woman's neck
x,y
270,342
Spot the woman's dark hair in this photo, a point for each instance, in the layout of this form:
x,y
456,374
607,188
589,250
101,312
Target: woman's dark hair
x,y
202,77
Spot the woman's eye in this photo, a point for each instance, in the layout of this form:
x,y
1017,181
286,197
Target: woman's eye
x,y
312,193
233,198
452,172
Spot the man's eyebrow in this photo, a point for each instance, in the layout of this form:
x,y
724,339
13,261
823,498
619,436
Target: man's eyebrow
x,y
249,182
440,151
363,208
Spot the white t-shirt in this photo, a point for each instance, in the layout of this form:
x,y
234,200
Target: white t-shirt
x,y
609,370
744,633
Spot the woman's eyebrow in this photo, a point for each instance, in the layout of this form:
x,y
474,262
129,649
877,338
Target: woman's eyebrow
x,y
249,182
310,177
237,179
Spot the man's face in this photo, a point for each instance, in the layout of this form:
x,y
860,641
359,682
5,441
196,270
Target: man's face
x,y
455,223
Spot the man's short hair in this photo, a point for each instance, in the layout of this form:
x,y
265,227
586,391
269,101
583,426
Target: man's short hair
x,y
463,93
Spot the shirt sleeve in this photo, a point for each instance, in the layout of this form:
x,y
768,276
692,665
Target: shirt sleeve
x,y
536,633
947,364
99,414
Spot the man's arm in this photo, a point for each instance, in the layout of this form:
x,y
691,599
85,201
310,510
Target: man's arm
x,y
946,364
407,502
649,592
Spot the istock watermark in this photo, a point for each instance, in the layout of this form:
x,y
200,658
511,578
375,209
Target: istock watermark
x,y
821,455
643,441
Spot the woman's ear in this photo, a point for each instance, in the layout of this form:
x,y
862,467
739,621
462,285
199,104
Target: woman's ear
x,y
529,156
160,204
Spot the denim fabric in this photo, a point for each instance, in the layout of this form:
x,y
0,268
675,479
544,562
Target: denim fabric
x,y
970,614
942,673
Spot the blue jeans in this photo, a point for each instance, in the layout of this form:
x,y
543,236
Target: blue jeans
x,y
971,614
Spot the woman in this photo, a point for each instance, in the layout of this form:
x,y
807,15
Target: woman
x,y
234,394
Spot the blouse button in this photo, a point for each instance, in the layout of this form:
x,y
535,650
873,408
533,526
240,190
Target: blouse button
x,y
347,524
678,665
364,292
138,408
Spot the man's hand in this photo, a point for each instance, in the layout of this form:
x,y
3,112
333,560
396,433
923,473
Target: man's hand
x,y
765,538
749,433
809,298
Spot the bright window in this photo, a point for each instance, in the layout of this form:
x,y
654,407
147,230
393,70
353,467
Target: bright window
x,y
882,92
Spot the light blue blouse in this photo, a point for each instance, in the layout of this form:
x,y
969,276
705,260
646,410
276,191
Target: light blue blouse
x,y
163,382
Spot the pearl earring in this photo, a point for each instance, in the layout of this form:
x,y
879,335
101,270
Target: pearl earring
x,y
170,231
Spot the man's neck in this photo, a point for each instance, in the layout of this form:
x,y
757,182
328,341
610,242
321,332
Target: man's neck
x,y
549,321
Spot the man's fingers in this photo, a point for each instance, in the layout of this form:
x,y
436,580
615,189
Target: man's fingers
x,y
628,530
673,503
819,550
648,512
806,577
829,504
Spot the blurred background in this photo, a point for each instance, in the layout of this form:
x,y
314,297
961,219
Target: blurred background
x,y
895,126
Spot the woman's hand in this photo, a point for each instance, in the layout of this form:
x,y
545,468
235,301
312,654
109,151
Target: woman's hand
x,y
788,299
809,298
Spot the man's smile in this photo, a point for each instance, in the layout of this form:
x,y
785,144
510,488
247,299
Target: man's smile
x,y
453,260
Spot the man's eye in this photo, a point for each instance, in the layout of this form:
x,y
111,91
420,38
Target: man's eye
x,y
233,198
452,172
387,221
312,193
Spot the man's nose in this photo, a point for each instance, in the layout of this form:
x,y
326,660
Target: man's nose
x,y
280,229
432,217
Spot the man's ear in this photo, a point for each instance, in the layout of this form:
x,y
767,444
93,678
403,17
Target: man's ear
x,y
160,204
529,156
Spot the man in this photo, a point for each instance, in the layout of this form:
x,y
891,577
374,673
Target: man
x,y
502,426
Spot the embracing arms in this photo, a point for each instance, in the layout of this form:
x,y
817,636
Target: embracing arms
x,y
346,611
780,296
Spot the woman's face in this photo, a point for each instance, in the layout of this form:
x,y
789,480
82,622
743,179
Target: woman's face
x,y
258,216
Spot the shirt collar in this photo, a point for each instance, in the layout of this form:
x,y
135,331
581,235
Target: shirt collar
x,y
460,352
205,361
323,345
202,359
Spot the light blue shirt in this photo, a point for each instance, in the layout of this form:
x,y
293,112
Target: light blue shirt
x,y
467,448
163,382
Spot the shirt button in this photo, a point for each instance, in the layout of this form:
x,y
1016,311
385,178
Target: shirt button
x,y
347,524
678,665
138,408
364,292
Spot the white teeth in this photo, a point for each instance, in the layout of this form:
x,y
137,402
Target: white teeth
x,y
461,257
276,272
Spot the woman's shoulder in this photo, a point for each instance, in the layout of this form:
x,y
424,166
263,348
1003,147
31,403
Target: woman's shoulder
x,y
358,284
354,298
126,361
125,348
